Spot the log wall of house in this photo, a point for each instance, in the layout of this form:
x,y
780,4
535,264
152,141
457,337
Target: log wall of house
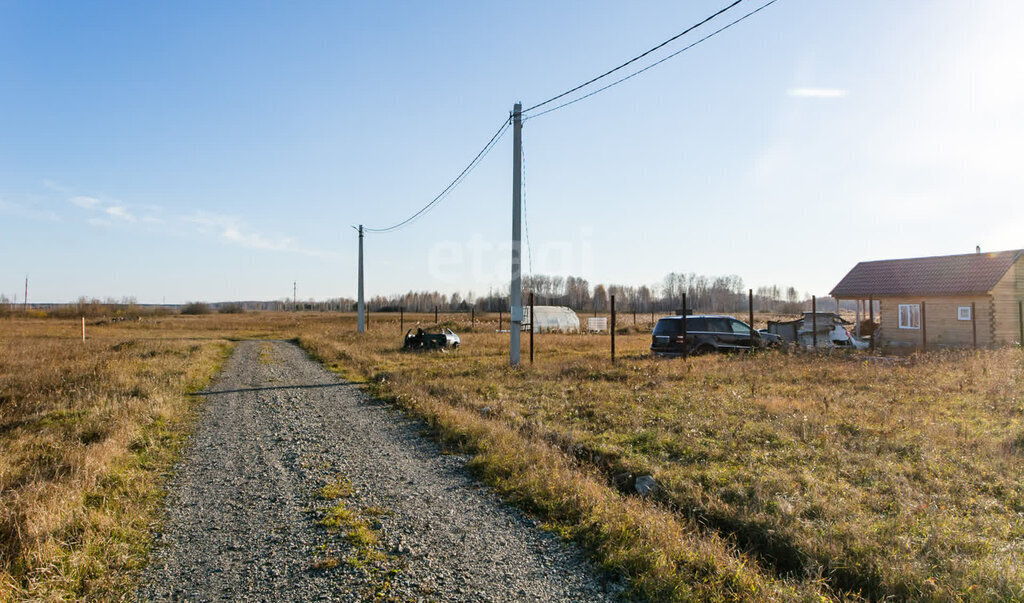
x,y
944,329
1005,297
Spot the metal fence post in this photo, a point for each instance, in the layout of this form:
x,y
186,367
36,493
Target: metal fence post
x,y
751,303
924,329
874,331
974,327
532,318
613,327
1020,321
814,323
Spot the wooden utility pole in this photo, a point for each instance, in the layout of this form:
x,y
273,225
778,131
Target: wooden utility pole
x,y
516,288
360,303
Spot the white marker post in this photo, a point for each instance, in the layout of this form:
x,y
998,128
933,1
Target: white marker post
x,y
83,329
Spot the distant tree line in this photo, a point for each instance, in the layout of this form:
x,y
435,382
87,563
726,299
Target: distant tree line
x,y
703,293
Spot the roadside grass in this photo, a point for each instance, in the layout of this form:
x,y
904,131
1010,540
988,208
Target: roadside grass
x,y
782,476
87,432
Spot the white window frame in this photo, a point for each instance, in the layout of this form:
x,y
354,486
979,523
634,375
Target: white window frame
x,y
912,310
963,313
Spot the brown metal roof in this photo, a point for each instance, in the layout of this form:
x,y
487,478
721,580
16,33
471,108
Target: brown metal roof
x,y
942,275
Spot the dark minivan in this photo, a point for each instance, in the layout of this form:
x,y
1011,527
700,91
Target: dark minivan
x,y
704,333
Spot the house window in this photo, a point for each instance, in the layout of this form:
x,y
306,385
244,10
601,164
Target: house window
x,y
910,316
963,313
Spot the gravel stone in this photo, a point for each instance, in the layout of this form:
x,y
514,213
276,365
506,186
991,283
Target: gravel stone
x,y
240,518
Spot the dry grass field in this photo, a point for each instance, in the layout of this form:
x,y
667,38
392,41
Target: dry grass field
x,y
781,476
86,431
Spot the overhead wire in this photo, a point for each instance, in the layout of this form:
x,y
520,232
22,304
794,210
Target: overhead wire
x,y
634,59
453,184
508,122
652,65
526,219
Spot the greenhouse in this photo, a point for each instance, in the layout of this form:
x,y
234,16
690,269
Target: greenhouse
x,y
552,319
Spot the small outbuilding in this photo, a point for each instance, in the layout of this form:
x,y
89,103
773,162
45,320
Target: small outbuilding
x,y
551,318
974,299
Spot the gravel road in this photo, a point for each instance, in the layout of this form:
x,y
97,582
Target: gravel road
x,y
248,515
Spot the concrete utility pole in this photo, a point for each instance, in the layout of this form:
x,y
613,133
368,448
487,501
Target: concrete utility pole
x,y
295,296
360,306
516,289
26,293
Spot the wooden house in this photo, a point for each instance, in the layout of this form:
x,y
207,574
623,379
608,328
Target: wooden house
x,y
973,299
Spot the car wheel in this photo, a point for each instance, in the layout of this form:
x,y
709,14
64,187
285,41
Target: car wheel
x,y
703,349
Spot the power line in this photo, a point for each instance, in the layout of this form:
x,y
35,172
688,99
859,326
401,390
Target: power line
x,y
652,65
634,59
454,183
526,218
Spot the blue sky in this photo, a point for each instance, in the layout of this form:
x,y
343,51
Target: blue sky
x,y
218,150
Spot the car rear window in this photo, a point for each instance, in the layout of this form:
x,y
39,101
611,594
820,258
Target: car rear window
x,y
668,326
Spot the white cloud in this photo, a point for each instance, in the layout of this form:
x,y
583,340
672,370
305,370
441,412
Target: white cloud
x,y
85,202
109,213
234,230
817,92
255,240
119,212
114,209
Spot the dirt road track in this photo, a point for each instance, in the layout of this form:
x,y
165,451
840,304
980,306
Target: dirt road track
x,y
243,509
